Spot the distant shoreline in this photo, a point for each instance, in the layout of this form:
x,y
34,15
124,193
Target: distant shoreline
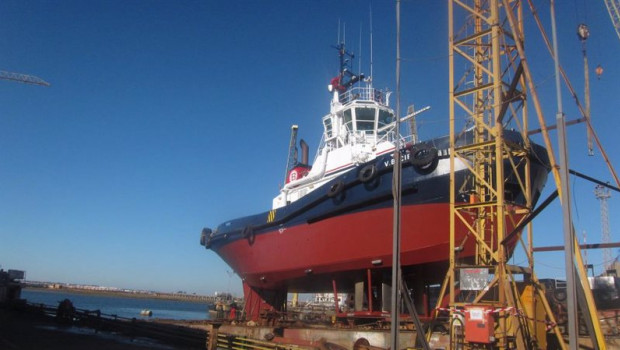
x,y
134,294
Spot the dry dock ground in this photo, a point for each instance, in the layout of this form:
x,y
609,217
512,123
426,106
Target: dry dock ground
x,y
24,330
27,330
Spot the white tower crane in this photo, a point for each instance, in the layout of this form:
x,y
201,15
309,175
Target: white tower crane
x,y
602,193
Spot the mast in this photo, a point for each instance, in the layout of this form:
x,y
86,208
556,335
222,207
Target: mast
x,y
346,78
396,192
371,63
292,152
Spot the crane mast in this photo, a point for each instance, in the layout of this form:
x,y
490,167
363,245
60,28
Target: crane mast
x,y
292,151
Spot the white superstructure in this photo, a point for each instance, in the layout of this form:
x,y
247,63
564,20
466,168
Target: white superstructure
x,y
358,128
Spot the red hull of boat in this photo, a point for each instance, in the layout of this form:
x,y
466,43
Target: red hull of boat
x,y
343,243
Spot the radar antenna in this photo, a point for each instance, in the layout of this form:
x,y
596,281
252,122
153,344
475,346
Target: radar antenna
x,y
346,78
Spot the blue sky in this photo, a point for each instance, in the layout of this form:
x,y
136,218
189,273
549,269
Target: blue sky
x,y
165,117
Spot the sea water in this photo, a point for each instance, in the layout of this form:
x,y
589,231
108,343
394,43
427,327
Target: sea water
x,y
121,306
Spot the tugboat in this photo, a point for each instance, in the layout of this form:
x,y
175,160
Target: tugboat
x,y
331,223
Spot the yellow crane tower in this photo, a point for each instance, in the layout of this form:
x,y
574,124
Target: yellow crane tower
x,y
486,36
496,92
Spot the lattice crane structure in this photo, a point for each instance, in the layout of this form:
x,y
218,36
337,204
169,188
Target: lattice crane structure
x,y
494,94
486,36
23,78
613,7
602,193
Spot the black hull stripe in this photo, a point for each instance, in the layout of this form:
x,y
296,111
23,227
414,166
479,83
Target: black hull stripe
x,y
317,206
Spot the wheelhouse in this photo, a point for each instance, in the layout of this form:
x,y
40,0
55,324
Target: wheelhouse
x,y
360,117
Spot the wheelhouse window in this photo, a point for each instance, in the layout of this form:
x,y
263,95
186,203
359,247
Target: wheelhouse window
x,y
327,122
348,120
385,119
365,118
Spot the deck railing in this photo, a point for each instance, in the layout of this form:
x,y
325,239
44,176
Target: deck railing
x,y
364,94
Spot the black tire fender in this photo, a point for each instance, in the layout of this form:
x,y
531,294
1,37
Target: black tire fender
x,y
424,159
560,294
367,173
422,155
335,189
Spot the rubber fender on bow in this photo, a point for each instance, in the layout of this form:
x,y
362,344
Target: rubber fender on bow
x,y
335,189
248,233
367,173
204,236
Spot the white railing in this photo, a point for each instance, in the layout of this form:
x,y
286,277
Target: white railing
x,y
364,94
